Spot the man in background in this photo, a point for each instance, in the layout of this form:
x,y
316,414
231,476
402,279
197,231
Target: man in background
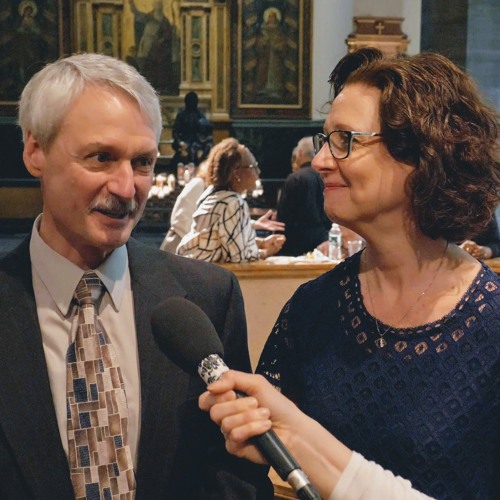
x,y
300,205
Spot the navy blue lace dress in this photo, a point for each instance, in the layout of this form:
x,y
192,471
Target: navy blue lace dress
x,y
426,406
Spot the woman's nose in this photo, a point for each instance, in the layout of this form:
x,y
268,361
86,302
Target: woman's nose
x,y
323,160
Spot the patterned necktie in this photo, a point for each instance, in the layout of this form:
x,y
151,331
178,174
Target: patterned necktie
x,y
98,451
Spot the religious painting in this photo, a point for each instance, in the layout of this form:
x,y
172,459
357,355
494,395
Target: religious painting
x,y
154,44
272,60
31,35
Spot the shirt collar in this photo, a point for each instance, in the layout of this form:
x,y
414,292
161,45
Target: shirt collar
x,y
60,276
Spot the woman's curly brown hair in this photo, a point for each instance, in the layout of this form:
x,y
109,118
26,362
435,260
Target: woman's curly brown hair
x,y
432,117
223,159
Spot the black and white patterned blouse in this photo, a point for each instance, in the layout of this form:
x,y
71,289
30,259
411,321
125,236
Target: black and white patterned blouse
x,y
221,231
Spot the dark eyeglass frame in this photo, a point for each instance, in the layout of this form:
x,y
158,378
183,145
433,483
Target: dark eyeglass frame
x,y
320,139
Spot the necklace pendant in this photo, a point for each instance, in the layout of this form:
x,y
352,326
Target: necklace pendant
x,y
380,342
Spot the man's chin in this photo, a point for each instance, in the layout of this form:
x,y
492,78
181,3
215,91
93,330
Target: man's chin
x,y
111,238
113,231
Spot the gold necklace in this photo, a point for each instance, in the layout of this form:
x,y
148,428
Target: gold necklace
x,y
381,342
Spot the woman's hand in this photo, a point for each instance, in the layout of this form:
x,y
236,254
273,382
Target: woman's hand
x,y
268,222
477,251
322,457
270,245
324,248
242,418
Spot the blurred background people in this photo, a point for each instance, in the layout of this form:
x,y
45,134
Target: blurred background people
x,y
222,229
192,133
336,472
395,351
486,245
300,205
183,209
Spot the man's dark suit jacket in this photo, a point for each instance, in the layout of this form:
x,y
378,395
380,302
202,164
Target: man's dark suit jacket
x,y
181,453
490,237
300,207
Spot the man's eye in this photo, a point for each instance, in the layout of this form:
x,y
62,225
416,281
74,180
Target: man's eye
x,y
103,157
144,163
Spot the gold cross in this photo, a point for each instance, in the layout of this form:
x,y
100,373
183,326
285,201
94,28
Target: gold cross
x,y
379,27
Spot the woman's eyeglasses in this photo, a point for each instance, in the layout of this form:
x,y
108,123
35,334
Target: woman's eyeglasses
x,y
339,142
254,166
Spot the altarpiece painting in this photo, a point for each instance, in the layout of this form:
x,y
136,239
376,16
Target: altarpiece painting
x,y
31,34
155,48
272,59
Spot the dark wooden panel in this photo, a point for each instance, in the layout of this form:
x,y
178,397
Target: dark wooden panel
x,y
444,29
11,151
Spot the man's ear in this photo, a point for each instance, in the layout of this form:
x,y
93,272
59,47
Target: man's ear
x,y
33,155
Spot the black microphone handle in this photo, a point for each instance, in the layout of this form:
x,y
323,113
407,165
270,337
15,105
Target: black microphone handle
x,y
275,453
269,444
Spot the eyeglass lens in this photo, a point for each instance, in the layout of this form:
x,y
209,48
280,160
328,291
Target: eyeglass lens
x,y
338,143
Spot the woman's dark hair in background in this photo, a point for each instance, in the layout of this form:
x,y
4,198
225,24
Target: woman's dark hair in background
x,y
432,117
222,160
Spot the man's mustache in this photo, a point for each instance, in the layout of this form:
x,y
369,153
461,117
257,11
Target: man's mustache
x,y
115,205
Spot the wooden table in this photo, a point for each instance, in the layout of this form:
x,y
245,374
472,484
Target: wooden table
x,y
266,287
494,264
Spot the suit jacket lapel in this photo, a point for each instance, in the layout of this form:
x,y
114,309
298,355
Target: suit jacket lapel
x,y
162,382
27,415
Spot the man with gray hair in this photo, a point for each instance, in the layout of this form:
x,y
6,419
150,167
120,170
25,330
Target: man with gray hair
x,y
89,405
300,205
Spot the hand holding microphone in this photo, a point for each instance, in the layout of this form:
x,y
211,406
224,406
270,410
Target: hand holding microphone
x,y
186,335
242,418
322,456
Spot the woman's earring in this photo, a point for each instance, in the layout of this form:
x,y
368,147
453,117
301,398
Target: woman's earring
x,y
238,179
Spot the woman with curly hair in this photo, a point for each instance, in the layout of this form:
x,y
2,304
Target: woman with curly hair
x,y
395,351
222,230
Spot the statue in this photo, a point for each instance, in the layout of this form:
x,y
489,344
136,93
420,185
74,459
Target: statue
x,y
192,133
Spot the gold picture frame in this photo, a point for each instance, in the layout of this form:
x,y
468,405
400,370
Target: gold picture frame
x,y
108,24
272,59
33,34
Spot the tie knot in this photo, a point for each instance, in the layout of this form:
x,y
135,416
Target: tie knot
x,y
89,289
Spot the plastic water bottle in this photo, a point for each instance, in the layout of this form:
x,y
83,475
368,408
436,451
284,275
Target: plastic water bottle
x,y
335,243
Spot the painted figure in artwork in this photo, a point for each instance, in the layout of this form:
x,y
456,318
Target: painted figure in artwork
x,y
271,49
157,46
30,46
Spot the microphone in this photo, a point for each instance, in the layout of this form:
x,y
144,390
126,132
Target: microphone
x,y
186,335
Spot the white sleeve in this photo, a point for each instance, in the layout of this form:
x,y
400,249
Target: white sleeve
x,y
365,480
181,217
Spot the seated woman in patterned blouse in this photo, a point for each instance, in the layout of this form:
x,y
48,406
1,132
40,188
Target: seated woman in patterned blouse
x,y
222,229
396,350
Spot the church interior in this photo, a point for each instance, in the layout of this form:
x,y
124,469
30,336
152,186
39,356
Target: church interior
x,y
260,70
267,96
